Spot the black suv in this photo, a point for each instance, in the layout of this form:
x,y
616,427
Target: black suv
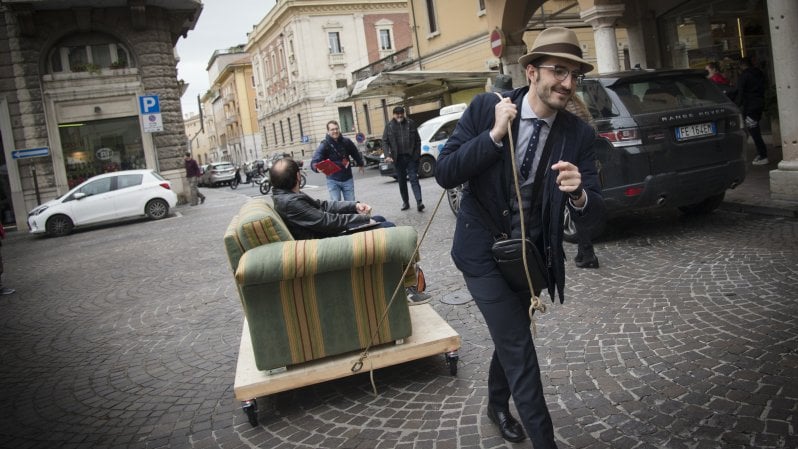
x,y
676,141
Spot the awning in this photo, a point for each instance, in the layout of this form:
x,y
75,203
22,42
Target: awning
x,y
338,95
417,86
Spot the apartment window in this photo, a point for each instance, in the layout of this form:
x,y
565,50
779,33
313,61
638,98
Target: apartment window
x,y
431,17
290,131
334,42
282,132
265,137
340,83
368,119
87,52
384,106
274,130
481,6
299,122
346,119
386,43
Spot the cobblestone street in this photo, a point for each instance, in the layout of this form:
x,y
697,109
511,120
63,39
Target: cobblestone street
x,y
126,336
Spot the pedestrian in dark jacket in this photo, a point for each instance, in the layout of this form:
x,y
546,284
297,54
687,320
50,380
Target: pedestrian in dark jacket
x,y
556,165
339,151
751,85
402,146
193,174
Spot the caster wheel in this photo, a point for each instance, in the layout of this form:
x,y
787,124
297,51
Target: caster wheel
x,y
451,359
251,410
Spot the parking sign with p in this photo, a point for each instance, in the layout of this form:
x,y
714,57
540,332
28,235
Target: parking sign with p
x,y
150,113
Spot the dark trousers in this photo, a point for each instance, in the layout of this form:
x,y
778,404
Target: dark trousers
x,y
756,132
406,168
514,366
585,241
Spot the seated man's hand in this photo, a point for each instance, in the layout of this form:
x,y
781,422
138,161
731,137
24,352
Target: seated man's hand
x,y
363,208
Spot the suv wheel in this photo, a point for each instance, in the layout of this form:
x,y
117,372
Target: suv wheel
x,y
704,207
426,167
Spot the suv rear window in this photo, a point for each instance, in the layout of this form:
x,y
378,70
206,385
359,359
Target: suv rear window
x,y
668,94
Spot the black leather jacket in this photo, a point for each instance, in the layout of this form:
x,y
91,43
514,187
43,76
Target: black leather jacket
x,y
308,218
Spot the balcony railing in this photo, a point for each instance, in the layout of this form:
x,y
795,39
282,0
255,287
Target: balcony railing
x,y
337,59
393,61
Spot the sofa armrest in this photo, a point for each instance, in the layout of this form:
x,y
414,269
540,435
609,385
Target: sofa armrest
x,y
300,258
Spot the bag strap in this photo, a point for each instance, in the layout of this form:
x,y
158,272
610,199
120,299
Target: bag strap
x,y
535,302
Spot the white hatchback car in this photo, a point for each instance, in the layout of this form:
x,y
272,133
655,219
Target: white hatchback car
x,y
107,197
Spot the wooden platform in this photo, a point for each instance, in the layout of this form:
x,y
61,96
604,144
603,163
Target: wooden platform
x,y
431,335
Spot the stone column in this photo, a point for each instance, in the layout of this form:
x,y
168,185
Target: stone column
x,y
602,18
783,27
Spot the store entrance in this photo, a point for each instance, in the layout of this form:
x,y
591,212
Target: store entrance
x,y
101,146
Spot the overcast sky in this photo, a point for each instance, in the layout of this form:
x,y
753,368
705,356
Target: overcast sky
x,y
222,24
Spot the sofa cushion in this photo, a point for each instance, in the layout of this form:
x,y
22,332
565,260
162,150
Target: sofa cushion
x,y
256,224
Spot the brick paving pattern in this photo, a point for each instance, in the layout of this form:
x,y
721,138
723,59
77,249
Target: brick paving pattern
x,y
126,336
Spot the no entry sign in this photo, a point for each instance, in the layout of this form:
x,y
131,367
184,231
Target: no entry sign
x,y
496,42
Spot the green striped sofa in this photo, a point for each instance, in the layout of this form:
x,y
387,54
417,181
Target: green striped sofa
x,y
309,299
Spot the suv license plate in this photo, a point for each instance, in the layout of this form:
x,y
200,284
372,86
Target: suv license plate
x,y
694,131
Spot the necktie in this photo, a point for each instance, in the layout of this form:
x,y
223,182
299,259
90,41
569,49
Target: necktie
x,y
526,165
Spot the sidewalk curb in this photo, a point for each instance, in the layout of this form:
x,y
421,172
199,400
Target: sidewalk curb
x,y
786,211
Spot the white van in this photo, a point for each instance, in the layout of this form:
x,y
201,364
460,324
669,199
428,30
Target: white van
x,y
434,133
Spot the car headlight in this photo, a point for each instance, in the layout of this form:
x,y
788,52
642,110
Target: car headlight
x,y
38,211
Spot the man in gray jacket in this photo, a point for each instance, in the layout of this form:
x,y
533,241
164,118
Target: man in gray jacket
x,y
402,146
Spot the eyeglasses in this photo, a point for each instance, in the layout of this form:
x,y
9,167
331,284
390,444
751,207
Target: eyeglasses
x,y
562,73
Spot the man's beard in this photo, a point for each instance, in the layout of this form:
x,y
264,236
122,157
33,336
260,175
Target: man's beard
x,y
546,96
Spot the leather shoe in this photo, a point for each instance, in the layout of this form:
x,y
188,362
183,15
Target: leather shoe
x,y
510,429
405,206
420,207
589,261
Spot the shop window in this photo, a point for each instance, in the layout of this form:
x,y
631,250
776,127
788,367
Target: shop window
x,y
100,146
88,52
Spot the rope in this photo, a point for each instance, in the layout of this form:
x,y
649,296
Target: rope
x,y
534,302
358,365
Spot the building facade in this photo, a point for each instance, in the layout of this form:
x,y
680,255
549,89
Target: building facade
x,y
303,54
71,77
230,105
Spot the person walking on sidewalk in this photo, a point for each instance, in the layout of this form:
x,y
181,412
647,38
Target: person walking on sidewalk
x,y
751,86
402,146
193,174
334,158
556,168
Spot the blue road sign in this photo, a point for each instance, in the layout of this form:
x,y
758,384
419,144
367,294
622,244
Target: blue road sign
x,y
30,152
149,104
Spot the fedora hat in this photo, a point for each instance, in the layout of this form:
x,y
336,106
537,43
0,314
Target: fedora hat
x,y
558,42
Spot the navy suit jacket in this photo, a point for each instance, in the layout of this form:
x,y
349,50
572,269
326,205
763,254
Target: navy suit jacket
x,y
471,156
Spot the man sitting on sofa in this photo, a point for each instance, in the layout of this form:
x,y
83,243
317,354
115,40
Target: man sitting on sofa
x,y
309,218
